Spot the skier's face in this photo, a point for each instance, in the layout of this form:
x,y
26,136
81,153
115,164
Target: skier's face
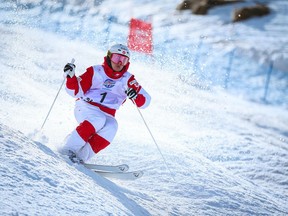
x,y
118,61
117,66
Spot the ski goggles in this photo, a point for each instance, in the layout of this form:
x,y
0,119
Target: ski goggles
x,y
117,58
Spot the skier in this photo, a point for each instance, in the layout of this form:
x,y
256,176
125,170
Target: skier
x,y
100,91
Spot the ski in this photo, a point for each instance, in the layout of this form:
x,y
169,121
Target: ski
x,y
121,175
107,168
111,171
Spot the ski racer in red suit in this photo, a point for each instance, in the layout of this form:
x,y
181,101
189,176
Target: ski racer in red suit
x,y
100,91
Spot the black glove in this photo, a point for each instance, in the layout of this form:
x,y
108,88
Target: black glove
x,y
131,93
69,70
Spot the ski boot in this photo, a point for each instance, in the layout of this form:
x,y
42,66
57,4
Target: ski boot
x,y
72,156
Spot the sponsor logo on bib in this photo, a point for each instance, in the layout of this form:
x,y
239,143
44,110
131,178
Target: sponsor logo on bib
x,y
108,83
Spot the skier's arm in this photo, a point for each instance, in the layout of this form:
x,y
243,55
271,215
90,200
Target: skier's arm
x,y
78,86
143,99
138,94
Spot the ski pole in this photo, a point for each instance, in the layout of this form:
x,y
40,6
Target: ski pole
x,y
154,141
72,62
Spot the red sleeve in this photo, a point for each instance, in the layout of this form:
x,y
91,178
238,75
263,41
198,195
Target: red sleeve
x,y
132,83
72,84
86,79
85,82
140,100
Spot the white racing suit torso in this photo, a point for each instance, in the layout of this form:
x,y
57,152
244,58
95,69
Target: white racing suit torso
x,y
94,86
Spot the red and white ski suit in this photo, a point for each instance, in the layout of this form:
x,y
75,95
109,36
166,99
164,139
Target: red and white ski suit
x,y
99,94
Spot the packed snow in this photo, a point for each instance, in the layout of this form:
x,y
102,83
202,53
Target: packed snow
x,y
226,149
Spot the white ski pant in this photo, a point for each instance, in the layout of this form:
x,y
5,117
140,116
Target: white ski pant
x,y
95,131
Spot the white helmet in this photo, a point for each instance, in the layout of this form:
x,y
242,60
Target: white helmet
x,y
120,49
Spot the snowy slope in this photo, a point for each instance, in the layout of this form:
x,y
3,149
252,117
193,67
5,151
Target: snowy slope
x,y
228,156
36,181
